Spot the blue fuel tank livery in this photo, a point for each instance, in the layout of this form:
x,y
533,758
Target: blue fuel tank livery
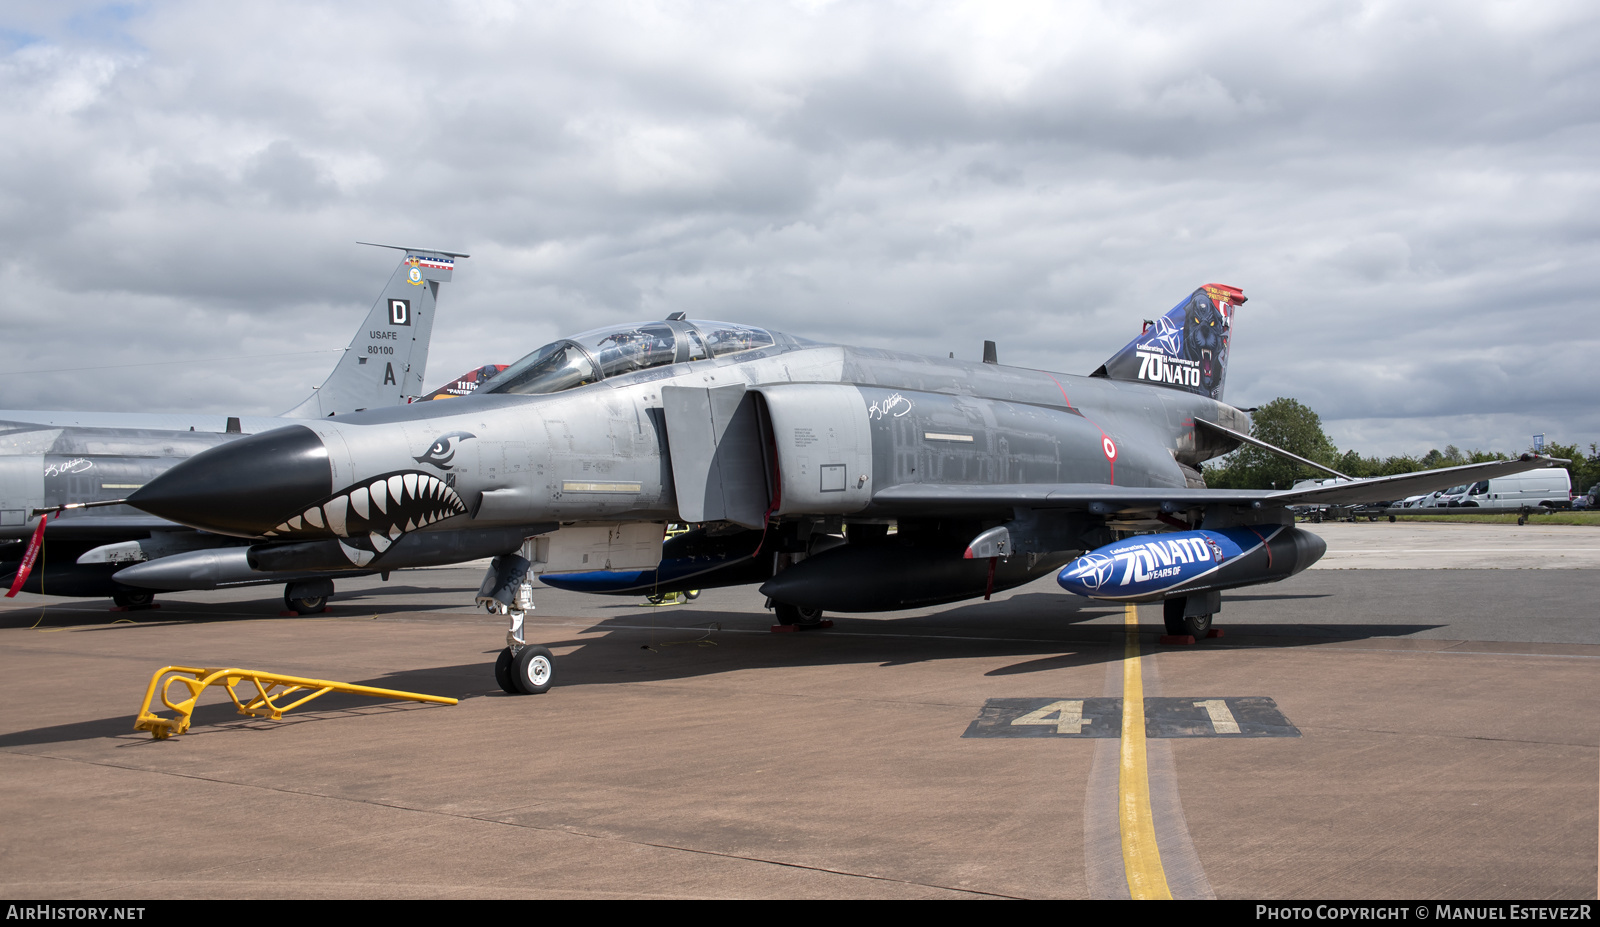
x,y
1150,567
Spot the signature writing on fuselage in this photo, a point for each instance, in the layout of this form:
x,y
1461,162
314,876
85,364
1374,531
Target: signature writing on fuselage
x,y
896,405
75,465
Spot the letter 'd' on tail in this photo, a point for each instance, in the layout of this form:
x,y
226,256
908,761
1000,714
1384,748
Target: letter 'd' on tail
x,y
388,357
1185,349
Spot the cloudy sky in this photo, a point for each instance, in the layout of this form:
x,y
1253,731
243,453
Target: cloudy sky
x,y
1407,192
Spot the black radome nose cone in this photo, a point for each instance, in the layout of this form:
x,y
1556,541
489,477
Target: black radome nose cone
x,y
244,487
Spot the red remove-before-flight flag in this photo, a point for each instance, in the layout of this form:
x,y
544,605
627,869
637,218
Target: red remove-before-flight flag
x,y
28,558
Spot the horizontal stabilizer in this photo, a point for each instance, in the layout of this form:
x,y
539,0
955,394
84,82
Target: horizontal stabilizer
x,y
1273,449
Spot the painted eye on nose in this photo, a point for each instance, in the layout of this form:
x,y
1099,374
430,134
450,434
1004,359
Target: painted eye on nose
x,y
443,449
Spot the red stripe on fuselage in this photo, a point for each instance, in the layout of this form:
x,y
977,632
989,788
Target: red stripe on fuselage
x,y
1110,462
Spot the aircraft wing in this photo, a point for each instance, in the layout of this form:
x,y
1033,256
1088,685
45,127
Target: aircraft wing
x,y
1099,498
1386,488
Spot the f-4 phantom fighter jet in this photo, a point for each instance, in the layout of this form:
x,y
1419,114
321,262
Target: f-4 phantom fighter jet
x,y
88,461
795,459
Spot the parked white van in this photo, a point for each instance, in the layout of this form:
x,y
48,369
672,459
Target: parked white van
x,y
1550,489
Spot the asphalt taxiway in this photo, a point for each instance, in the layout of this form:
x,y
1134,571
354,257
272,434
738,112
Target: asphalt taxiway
x,y
1440,738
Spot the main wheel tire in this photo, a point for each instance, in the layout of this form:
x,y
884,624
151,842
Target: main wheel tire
x,y
133,599
1178,625
534,670
691,595
795,615
305,605
655,599
503,673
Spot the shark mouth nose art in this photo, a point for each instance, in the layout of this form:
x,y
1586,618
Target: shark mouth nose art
x,y
377,511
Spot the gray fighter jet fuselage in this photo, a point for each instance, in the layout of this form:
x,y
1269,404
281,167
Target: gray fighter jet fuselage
x,y
842,478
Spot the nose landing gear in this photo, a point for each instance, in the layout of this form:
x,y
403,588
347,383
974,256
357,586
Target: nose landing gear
x,y
521,668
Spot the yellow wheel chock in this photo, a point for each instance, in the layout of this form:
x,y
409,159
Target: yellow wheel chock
x,y
261,706
672,598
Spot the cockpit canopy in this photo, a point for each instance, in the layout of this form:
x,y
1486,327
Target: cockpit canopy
x,y
619,349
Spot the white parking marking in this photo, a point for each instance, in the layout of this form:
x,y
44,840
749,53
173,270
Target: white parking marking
x,y
1222,720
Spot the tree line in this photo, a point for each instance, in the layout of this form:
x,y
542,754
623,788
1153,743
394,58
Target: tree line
x,y
1289,424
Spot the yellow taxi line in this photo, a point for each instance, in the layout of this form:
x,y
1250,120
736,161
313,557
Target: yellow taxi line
x,y
1141,858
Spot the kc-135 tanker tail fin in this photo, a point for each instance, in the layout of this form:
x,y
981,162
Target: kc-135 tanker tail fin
x,y
388,357
1185,349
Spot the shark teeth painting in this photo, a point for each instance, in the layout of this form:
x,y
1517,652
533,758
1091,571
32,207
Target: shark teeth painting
x,y
378,510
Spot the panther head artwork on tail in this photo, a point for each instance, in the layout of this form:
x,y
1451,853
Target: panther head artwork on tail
x,y
1187,348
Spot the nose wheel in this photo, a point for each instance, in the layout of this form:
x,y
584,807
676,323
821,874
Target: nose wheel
x,y
503,670
530,671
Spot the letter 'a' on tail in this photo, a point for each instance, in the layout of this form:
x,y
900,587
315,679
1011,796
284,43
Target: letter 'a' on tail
x,y
1185,349
388,357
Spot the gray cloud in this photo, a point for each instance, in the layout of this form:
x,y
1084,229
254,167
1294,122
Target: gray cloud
x,y
1405,191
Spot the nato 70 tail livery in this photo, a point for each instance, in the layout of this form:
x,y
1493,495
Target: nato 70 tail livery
x,y
839,478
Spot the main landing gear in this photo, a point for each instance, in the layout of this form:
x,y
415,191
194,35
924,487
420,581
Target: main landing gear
x,y
1190,616
133,601
309,597
798,618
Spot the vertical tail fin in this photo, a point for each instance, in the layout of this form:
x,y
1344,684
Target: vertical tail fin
x,y
1185,349
388,357
467,383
